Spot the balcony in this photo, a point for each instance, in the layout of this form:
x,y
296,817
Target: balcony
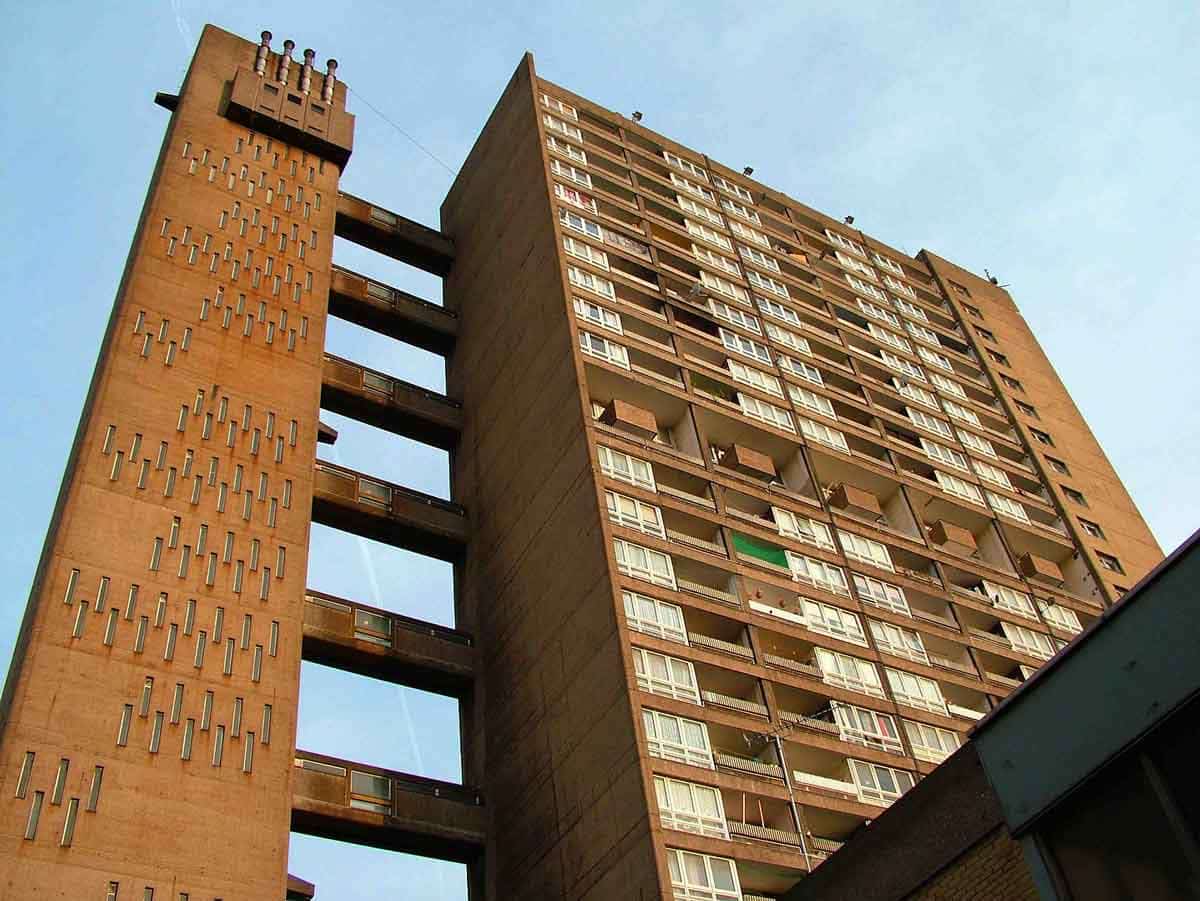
x,y
360,504
393,235
391,312
389,403
385,645
730,690
353,802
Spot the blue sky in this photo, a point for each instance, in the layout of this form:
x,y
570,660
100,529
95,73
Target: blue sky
x,y
1053,143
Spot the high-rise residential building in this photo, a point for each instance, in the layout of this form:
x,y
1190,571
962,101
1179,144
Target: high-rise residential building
x,y
752,517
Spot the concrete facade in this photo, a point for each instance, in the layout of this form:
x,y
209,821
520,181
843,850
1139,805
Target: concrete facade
x,y
748,521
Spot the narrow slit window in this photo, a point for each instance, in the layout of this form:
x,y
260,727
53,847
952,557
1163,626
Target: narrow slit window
x,y
206,711
68,833
218,746
139,640
198,655
123,728
189,733
93,801
248,753
177,704
26,773
172,637
173,534
72,584
189,617
147,693
156,732
160,610
247,625
227,668
115,472
110,435
156,555
60,781
273,646
256,671
35,814
110,627
265,732
80,619
235,723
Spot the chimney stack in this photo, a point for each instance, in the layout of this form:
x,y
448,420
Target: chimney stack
x,y
260,58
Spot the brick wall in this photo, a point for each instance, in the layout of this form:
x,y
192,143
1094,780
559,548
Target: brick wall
x,y
992,870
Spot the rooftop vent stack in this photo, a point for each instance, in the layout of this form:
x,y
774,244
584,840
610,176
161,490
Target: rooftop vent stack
x,y
306,71
285,60
330,79
260,58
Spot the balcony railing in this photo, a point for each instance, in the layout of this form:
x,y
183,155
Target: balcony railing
x,y
687,496
717,644
823,847
794,666
947,663
965,712
699,544
808,722
707,591
717,699
763,834
746,765
826,784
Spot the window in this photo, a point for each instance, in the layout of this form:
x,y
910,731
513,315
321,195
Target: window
x,y
891,339
934,358
730,187
749,376
784,314
766,283
1007,506
654,617
932,423
568,150
625,468
704,233
823,434
1012,383
944,454
559,107
585,252
899,287
990,473
689,807
667,676
1058,465
677,738
702,877
704,255
885,263
879,784
686,165
881,594
1026,409
700,210
558,125
634,514
915,691
948,385
915,392
792,525
745,231
868,289
596,346
833,621
725,287
818,573
765,412
961,413
998,357
866,727
914,311
741,211
901,365
848,672
1036,644
643,563
734,315
930,743
598,315
692,187
810,401
877,312
580,224
1110,562
985,334
1091,528
583,279
865,550
759,258
975,443
1062,617
1076,496
845,243
571,173
1009,599
856,265
920,332
900,642
799,368
577,198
